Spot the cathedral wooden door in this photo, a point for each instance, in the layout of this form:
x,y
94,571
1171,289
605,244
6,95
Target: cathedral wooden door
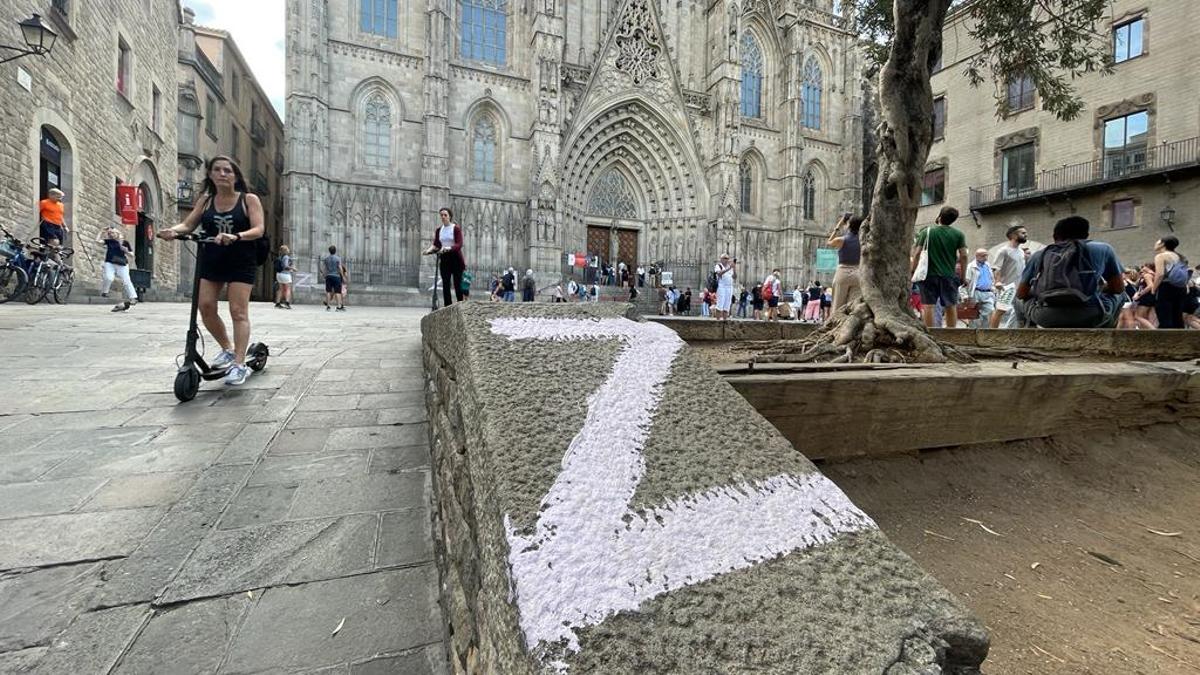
x,y
597,242
627,248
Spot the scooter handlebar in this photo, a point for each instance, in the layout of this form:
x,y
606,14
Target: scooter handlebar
x,y
192,236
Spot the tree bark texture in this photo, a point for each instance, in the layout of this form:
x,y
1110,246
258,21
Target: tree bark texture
x,y
881,326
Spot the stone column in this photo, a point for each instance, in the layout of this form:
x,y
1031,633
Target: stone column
x,y
305,180
792,228
435,161
547,222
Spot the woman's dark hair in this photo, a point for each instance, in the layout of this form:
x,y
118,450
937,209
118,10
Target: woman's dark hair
x,y
855,223
1170,242
448,212
239,182
332,250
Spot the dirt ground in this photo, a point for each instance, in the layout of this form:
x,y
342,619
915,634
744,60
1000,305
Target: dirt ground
x,y
1068,575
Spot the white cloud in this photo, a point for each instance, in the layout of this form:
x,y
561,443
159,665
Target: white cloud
x,y
258,28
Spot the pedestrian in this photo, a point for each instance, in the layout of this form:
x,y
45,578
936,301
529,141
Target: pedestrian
x,y
335,278
812,310
633,292
1171,276
685,302
641,275
1144,300
940,245
726,272
558,293
756,302
1191,307
467,279
233,218
52,223
772,289
743,301
1126,320
528,287
826,302
283,277
447,246
117,252
508,285
572,289
844,238
1010,264
981,288
595,293
1074,282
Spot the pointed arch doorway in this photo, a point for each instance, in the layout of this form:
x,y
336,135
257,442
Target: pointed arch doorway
x,y
614,220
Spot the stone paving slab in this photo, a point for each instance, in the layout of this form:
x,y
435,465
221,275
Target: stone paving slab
x,y
73,537
293,626
139,535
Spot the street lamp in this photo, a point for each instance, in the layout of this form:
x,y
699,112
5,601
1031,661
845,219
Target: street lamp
x,y
39,38
1168,217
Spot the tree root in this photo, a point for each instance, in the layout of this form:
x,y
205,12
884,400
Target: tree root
x,y
859,335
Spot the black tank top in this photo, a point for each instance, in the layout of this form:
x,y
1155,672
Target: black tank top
x,y
851,250
213,222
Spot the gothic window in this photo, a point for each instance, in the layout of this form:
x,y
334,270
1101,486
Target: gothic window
x,y
752,76
812,94
484,30
613,197
377,132
483,150
809,189
746,186
378,17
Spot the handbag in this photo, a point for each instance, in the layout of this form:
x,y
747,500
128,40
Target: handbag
x,y
922,270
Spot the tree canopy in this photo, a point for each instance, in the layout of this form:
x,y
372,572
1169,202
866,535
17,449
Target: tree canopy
x,y
1050,41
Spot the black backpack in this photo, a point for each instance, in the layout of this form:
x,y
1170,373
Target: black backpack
x,y
1059,282
711,283
279,268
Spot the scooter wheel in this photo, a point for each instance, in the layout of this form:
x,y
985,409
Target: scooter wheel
x,y
258,356
187,383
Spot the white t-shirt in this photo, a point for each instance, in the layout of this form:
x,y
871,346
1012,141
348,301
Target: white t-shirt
x,y
446,236
1010,264
724,278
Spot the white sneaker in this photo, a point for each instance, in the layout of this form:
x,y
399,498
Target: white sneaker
x,y
223,360
237,374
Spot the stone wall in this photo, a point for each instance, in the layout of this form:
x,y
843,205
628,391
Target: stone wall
x,y
605,503
105,135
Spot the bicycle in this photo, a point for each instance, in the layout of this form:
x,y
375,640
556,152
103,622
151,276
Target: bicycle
x,y
48,275
13,277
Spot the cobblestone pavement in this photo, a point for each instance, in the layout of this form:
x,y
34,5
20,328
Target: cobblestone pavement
x,y
282,525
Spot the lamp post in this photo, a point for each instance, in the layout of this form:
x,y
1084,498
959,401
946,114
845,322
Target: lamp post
x,y
39,39
1168,217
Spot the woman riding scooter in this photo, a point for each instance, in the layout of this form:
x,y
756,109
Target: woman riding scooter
x,y
233,219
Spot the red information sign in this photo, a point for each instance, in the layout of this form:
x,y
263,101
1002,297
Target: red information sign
x,y
127,201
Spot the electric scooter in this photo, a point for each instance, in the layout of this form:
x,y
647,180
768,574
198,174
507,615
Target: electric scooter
x,y
194,368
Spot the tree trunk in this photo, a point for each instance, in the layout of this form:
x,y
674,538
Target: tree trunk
x,y
881,326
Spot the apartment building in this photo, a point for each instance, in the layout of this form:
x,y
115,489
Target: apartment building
x,y
1130,163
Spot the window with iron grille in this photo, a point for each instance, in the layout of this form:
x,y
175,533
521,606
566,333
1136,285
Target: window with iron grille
x,y
1017,170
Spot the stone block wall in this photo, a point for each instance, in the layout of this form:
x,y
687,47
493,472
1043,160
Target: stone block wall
x,y
105,135
605,503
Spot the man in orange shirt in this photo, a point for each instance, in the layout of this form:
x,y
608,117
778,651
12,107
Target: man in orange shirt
x,y
53,229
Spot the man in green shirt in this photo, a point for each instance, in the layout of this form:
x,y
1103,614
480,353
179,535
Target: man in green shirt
x,y
467,278
946,246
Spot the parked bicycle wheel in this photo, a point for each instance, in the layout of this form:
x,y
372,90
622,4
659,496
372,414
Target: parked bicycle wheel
x,y
39,283
12,282
63,284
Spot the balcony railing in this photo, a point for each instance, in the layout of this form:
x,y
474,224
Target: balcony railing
x,y
1113,168
258,132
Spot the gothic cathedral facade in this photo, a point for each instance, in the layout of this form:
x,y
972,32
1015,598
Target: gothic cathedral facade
x,y
642,130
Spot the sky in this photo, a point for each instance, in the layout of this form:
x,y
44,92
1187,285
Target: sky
x,y
257,28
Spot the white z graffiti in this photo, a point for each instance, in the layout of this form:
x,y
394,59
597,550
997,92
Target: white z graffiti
x,y
589,555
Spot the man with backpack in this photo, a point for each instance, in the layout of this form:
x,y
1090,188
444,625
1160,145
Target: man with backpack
x,y
1074,282
772,289
942,245
508,285
528,287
